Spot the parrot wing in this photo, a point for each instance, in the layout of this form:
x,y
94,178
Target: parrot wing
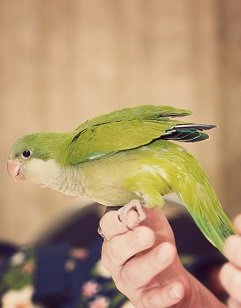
x,y
128,129
144,112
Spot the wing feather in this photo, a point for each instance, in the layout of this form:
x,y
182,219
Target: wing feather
x,y
130,128
107,139
144,112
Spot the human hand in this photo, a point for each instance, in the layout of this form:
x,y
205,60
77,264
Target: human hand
x,y
145,266
230,273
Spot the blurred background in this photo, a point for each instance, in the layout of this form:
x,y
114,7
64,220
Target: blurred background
x,y
64,61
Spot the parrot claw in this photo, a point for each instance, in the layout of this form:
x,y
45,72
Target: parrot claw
x,y
123,213
133,204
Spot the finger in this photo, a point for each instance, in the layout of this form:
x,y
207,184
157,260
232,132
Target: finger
x,y
232,249
121,248
231,303
111,225
230,278
237,223
163,297
157,220
150,263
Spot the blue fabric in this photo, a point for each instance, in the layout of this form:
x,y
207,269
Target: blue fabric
x,y
53,283
50,276
81,274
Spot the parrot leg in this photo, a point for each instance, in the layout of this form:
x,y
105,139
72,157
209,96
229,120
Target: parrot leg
x,y
133,204
113,208
123,213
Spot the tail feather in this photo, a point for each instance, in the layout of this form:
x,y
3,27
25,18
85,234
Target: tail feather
x,y
210,218
203,205
189,181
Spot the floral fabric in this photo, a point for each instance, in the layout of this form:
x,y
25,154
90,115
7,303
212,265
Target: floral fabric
x,y
97,291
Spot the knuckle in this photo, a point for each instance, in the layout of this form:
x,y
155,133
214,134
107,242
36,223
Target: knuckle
x,y
129,278
120,284
141,238
113,253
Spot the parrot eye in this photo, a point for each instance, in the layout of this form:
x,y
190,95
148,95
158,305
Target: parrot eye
x,y
26,154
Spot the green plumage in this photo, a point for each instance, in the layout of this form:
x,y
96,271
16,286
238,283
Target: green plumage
x,y
128,154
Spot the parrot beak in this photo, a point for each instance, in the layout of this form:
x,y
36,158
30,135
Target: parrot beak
x,y
14,170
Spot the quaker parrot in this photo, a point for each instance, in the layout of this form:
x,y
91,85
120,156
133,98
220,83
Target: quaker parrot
x,y
123,156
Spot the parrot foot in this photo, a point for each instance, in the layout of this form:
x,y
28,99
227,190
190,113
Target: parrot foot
x,y
133,204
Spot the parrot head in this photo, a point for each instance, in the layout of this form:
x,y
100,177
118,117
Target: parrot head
x,y
33,157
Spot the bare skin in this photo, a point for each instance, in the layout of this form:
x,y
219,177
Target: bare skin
x,y
230,274
145,266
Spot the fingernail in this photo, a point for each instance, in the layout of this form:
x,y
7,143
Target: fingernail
x,y
165,253
176,291
231,246
144,237
141,240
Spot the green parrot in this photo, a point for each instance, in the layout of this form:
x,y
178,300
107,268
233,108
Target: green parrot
x,y
122,156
